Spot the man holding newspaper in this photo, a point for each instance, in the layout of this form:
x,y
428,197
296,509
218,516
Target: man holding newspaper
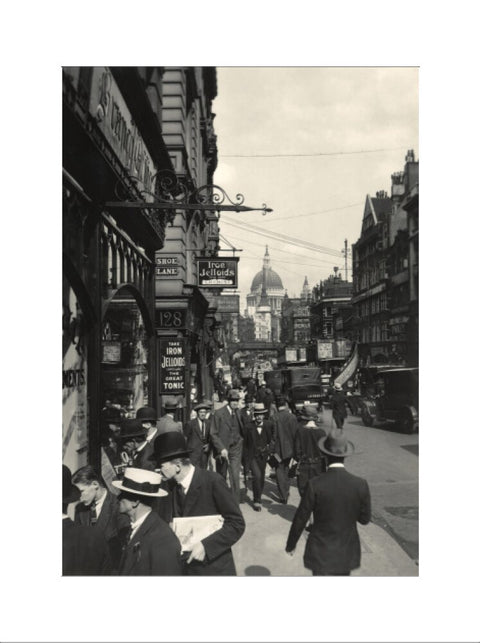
x,y
206,516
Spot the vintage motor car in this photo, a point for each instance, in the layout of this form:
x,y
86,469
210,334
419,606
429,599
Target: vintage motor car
x,y
396,402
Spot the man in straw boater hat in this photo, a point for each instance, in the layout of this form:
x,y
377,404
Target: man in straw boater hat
x,y
196,492
84,550
227,438
197,433
152,549
259,446
338,501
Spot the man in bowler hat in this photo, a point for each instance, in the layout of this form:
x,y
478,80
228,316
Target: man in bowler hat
x,y
148,418
197,492
197,433
152,549
338,501
227,438
167,422
286,427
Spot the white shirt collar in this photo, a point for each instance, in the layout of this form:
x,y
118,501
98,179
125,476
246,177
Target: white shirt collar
x,y
135,525
186,482
99,503
336,465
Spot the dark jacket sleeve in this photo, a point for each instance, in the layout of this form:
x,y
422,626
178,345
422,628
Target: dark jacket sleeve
x,y
301,517
215,432
234,523
365,513
165,555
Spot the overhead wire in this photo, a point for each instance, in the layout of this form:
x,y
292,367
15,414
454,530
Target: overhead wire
x,y
310,154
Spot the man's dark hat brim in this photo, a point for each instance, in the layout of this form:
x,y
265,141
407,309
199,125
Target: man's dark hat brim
x,y
331,446
202,405
132,428
168,446
146,414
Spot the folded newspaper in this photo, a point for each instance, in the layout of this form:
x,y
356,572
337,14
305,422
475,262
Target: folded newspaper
x,y
193,529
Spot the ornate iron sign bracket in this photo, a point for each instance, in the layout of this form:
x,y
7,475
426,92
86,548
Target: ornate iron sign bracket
x,y
170,192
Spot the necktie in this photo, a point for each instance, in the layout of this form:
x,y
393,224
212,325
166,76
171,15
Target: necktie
x,y
180,498
93,514
203,429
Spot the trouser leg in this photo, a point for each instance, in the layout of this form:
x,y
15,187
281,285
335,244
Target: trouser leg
x,y
235,458
221,466
258,482
283,481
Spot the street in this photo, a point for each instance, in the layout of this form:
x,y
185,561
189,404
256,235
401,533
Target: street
x,y
388,460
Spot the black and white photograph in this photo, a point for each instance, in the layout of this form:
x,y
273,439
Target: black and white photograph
x,y
254,316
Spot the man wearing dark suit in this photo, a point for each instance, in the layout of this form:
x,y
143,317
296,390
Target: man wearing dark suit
x,y
246,416
98,508
227,438
259,444
84,550
197,492
338,501
152,548
286,427
197,434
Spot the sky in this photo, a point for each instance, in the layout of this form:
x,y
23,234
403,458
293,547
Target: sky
x,y
310,143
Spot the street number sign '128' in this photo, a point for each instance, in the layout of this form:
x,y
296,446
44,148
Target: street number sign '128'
x,y
171,318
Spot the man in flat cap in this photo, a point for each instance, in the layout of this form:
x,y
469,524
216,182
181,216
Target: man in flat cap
x,y
227,438
338,500
197,434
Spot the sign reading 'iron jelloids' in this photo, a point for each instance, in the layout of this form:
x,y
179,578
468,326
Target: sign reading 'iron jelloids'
x,y
218,273
172,366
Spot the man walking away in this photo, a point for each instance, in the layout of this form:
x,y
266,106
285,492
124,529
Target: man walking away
x,y
338,501
286,427
167,422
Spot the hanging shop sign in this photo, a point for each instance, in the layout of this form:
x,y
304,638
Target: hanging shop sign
x,y
224,303
218,273
166,266
172,356
115,121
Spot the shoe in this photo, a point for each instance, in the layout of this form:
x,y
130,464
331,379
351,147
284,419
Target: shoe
x,y
280,500
257,506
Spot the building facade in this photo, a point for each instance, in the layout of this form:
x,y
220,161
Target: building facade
x,y
331,302
124,128
264,302
385,273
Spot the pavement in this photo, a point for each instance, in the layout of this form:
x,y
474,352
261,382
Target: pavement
x,y
261,550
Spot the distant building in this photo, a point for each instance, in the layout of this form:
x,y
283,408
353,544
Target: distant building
x,y
330,300
264,302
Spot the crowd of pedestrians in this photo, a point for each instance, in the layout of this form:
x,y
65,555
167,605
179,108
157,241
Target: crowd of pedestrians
x,y
174,507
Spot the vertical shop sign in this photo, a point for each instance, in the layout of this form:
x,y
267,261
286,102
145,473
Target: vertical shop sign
x,y
172,366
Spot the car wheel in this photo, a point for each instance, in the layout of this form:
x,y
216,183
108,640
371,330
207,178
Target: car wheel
x,y
406,423
367,419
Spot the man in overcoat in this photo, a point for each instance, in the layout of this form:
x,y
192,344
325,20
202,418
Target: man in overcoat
x,y
148,418
338,501
286,427
227,438
338,404
197,434
197,492
152,549
99,508
167,422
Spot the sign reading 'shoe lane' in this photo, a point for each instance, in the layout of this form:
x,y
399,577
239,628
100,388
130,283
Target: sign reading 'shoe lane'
x,y
218,273
172,366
